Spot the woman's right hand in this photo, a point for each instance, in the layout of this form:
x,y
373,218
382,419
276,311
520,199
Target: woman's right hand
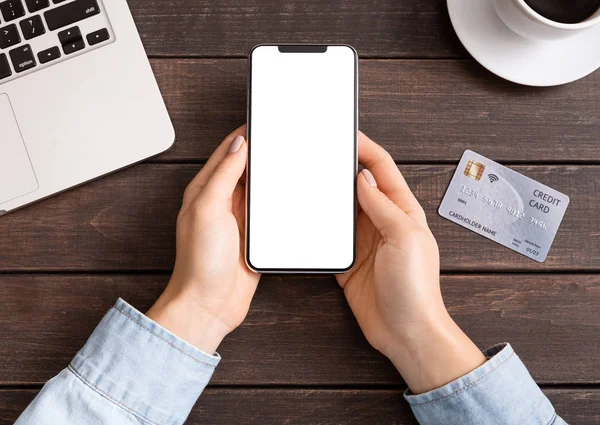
x,y
394,290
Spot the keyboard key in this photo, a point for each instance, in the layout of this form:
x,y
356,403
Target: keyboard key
x,y
74,46
70,13
22,58
70,35
98,36
71,40
9,36
12,9
37,5
4,67
32,27
49,55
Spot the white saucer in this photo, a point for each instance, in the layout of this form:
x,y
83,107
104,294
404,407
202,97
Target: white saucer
x,y
518,59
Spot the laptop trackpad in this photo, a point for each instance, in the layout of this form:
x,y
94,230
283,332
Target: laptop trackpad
x,y
16,173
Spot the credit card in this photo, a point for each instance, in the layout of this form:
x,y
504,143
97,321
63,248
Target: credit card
x,y
504,206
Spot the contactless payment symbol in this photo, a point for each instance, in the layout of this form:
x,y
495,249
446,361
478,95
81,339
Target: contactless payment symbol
x,y
474,170
493,178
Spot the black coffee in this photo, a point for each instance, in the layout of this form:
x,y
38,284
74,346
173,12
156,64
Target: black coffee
x,y
565,11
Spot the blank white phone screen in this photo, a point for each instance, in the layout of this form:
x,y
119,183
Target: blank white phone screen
x,y
302,164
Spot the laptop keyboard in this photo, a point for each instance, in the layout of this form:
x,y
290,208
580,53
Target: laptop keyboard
x,y
35,34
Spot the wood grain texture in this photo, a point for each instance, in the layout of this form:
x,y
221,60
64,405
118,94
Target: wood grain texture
x,y
127,222
419,110
385,28
300,331
319,406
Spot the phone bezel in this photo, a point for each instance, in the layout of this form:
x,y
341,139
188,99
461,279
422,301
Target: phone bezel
x,y
300,48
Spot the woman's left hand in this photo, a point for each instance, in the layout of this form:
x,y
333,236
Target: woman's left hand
x,y
211,288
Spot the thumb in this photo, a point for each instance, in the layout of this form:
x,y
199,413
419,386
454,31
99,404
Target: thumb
x,y
227,174
384,214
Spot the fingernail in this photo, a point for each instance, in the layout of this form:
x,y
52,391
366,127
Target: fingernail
x,y
236,144
369,177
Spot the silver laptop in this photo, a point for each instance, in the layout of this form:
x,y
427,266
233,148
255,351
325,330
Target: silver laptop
x,y
77,96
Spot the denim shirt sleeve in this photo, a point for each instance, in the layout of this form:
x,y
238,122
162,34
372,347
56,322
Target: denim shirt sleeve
x,y
130,371
500,392
133,371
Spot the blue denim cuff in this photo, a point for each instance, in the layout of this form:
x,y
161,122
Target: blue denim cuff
x,y
143,368
501,391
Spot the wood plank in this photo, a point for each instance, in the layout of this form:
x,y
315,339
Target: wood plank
x,y
319,406
418,110
386,28
127,222
300,331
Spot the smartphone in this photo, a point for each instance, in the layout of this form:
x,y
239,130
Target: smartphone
x,y
302,159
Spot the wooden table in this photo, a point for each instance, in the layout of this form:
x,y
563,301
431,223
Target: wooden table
x,y
300,357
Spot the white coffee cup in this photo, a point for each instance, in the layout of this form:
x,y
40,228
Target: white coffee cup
x,y
522,19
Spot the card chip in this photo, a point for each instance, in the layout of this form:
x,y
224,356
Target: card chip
x,y
474,170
